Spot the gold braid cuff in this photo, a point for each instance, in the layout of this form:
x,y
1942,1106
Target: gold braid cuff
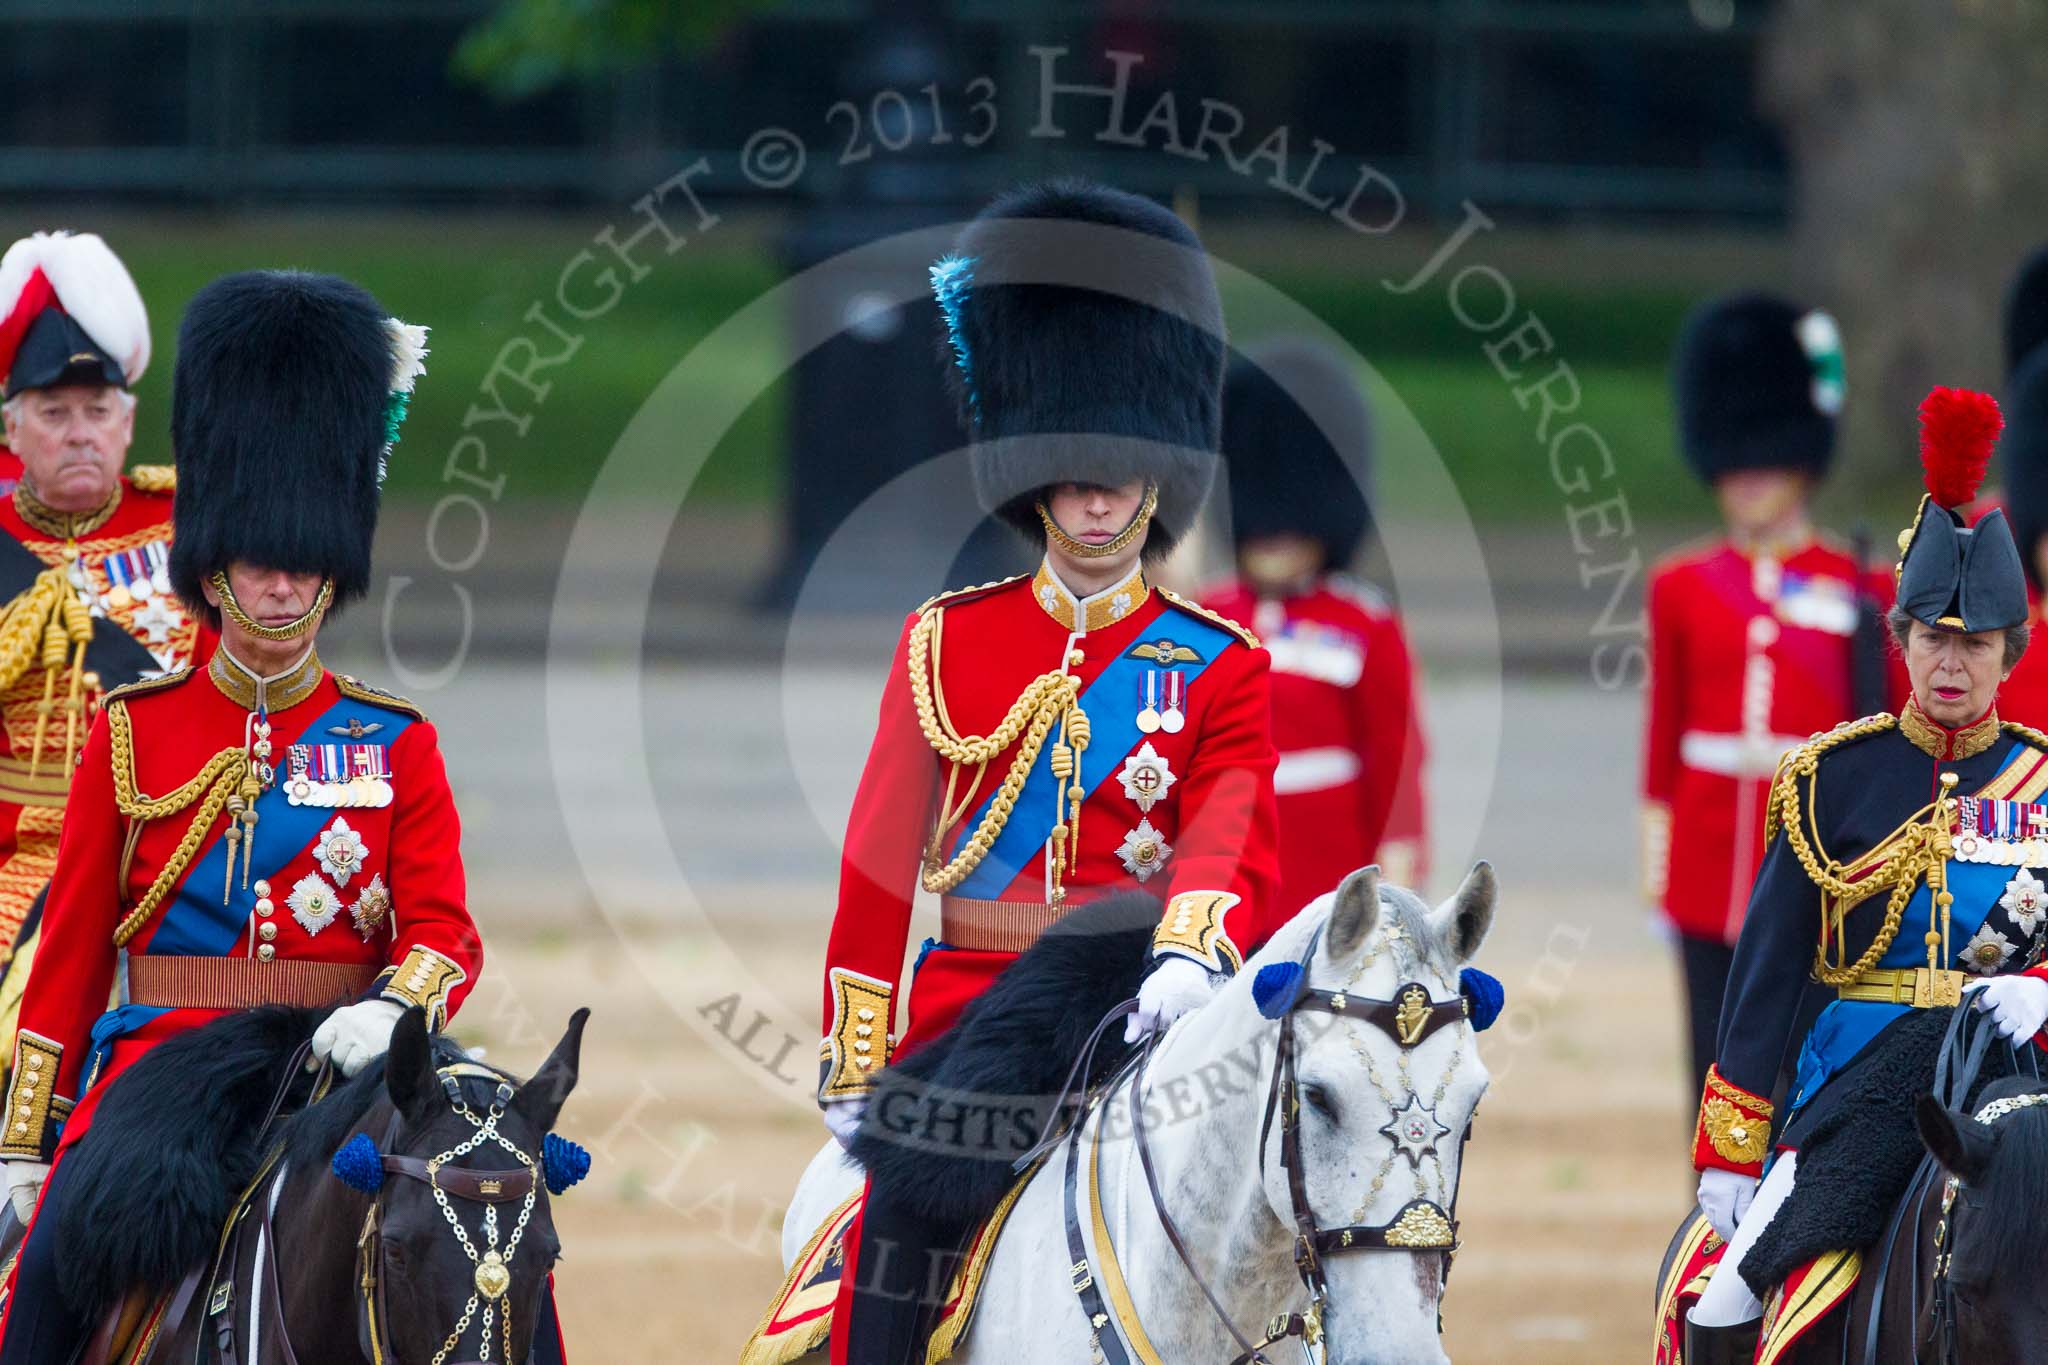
x,y
31,1098
1193,927
860,1041
1734,1130
1081,549
291,631
210,789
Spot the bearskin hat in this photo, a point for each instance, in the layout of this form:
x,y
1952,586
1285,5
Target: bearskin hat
x,y
1297,447
286,398
1758,384
69,314
1084,343
1951,575
2026,309
2023,457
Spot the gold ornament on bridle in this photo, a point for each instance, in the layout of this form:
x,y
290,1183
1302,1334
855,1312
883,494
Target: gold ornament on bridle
x,y
1081,549
289,631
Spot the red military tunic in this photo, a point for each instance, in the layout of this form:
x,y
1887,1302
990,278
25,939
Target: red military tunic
x,y
117,559
1348,727
2023,697
1184,810
1751,653
365,876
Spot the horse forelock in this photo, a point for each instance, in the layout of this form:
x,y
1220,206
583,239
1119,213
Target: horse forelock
x,y
319,1130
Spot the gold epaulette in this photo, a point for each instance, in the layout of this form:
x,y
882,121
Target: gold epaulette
x,y
142,686
1217,617
154,478
1802,760
359,690
962,594
2027,733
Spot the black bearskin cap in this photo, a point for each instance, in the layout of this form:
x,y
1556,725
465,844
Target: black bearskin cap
x,y
1297,446
278,425
1757,382
2023,457
2026,310
1112,374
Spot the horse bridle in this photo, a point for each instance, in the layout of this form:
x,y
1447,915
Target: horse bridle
x,y
1421,1225
1943,1327
490,1188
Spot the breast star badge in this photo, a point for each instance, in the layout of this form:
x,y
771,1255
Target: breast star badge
x,y
314,903
2025,899
342,851
1415,1131
1144,850
1146,777
372,907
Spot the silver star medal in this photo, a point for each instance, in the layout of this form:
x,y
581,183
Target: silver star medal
x,y
1986,951
342,851
157,620
2026,900
1146,777
314,903
1143,850
1415,1131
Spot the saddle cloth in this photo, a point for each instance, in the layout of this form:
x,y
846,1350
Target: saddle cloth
x,y
1807,1296
798,1323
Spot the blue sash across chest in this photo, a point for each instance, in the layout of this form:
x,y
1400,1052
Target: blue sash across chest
x,y
1114,732
195,923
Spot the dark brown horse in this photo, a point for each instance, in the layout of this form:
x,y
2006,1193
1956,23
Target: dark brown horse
x,y
1955,1280
401,1220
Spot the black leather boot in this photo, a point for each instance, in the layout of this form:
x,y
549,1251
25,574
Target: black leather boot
x,y
1721,1345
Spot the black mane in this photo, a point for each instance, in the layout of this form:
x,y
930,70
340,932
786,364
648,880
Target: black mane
x,y
173,1143
2003,1230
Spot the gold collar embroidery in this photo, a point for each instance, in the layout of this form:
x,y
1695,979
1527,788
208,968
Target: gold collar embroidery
x,y
1100,609
241,685
1937,741
63,525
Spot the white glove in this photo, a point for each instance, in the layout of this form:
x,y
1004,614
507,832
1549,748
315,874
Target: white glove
x,y
1175,986
1724,1198
356,1035
842,1117
25,1185
2019,1003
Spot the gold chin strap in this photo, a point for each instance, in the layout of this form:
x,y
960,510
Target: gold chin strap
x,y
234,611
1081,549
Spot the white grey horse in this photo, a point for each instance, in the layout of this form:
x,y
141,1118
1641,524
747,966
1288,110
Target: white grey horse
x,y
1381,1126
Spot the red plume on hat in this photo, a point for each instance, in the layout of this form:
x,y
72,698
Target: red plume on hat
x,y
1958,427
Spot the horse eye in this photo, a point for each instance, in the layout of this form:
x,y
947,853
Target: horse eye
x,y
1320,1100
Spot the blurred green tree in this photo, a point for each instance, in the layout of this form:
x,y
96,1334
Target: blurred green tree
x,y
528,46
1921,181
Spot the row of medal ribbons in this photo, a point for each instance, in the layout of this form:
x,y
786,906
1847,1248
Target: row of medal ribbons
x,y
2009,833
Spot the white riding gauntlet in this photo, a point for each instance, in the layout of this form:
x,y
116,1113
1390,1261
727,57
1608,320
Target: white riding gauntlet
x,y
356,1035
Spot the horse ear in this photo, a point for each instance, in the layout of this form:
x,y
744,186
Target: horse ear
x,y
1461,923
1962,1145
409,1064
541,1098
1356,913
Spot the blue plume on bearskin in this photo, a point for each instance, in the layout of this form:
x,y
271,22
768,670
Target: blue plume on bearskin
x,y
359,1164
1276,988
562,1162
1089,349
280,417
1484,997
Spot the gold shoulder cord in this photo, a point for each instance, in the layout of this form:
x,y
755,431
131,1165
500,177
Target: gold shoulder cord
x,y
211,788
1050,697
1918,848
47,625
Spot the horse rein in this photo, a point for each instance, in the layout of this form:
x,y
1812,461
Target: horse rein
x,y
1409,1019
1943,1327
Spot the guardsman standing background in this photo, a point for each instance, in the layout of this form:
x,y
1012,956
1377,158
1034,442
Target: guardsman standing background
x,y
1051,739
2023,470
85,564
1752,634
256,830
1297,445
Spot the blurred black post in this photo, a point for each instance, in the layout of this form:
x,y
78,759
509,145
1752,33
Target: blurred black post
x,y
871,403
1870,688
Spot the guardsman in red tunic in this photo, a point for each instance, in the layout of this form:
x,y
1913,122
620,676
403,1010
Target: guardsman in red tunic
x,y
2023,472
256,829
84,565
1753,636
1297,445
1053,738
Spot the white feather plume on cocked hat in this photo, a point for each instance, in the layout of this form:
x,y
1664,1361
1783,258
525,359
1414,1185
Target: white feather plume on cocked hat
x,y
92,285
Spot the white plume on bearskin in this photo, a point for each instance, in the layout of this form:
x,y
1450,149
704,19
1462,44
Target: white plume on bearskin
x,y
92,284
